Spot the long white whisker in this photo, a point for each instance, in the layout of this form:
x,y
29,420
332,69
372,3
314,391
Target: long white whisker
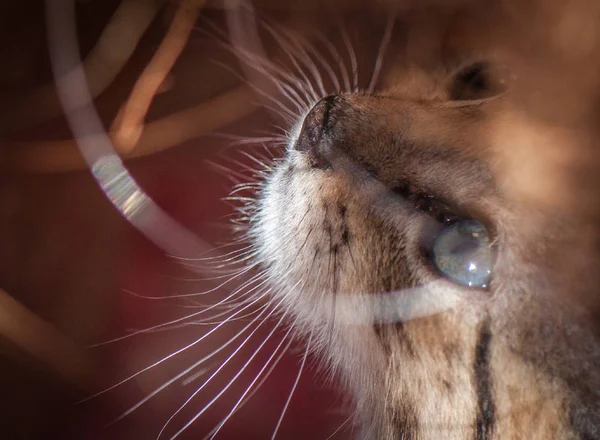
x,y
228,266
339,428
242,187
309,48
243,258
184,318
243,399
234,176
253,158
225,388
211,320
287,403
187,370
160,361
181,350
212,376
239,318
244,34
224,269
229,307
255,140
217,248
261,92
250,58
292,48
385,40
352,54
339,60
288,89
267,68
242,369
204,292
260,63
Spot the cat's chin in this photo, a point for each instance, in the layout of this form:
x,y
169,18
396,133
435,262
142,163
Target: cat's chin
x,y
311,235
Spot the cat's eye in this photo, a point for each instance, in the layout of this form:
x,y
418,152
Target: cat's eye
x,y
463,252
478,81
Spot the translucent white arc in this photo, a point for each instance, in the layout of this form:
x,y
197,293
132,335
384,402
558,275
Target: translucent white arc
x,y
96,147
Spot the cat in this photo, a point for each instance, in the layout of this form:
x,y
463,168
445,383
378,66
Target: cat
x,y
430,231
434,240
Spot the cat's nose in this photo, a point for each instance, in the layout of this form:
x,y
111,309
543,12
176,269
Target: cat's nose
x,y
315,135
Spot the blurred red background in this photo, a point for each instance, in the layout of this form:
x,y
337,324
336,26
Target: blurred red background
x,y
70,258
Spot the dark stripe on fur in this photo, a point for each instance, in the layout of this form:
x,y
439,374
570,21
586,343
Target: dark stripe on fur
x,y
385,333
402,420
405,422
486,410
584,420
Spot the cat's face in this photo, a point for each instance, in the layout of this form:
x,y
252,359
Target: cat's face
x,y
403,239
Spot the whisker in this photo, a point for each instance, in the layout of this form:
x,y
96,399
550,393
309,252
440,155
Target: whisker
x,y
282,107
216,260
254,158
334,253
339,60
239,43
226,266
244,34
268,147
238,260
261,66
184,318
205,292
184,372
265,161
339,428
240,371
233,175
246,166
221,269
287,132
385,40
216,248
229,307
187,381
206,322
286,74
251,389
287,403
292,49
242,187
306,44
254,140
352,54
239,318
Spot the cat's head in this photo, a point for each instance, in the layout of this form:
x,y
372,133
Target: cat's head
x,y
437,239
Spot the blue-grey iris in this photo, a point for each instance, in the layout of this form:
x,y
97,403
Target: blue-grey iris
x,y
463,252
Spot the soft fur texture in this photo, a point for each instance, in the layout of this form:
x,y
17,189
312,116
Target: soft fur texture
x,y
344,224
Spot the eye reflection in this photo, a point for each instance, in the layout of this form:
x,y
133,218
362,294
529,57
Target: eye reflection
x,y
463,252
